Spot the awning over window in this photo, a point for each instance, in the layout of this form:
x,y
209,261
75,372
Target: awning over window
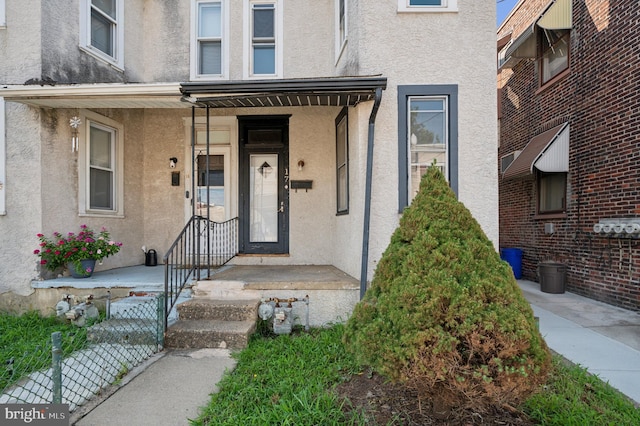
x,y
547,152
557,16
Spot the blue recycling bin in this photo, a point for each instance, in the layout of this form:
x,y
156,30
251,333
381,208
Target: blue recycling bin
x,y
513,256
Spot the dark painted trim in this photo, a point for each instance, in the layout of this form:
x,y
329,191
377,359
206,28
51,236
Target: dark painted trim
x,y
449,90
367,195
344,114
342,84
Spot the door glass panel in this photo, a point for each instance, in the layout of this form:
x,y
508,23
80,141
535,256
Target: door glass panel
x,y
263,185
213,174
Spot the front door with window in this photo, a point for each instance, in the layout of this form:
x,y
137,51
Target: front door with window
x,y
264,183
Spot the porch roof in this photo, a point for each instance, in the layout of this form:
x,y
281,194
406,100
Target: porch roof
x,y
328,91
331,91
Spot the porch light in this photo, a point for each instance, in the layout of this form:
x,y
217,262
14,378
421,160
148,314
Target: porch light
x,y
300,165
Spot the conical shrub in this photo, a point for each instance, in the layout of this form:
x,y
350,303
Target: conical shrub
x,y
444,313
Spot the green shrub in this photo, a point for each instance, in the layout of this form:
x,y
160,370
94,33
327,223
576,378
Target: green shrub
x,y
444,314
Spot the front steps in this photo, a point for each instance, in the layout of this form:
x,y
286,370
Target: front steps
x,y
213,323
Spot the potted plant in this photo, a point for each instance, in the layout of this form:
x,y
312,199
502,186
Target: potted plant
x,y
78,252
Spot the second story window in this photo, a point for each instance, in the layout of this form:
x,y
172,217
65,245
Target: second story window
x,y
341,26
427,5
208,58
554,53
101,29
264,39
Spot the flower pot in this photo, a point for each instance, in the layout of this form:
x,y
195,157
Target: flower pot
x,y
85,270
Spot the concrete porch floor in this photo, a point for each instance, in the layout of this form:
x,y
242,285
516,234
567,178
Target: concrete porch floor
x,y
149,278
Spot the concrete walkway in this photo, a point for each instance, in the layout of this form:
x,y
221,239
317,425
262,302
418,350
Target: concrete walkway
x,y
602,338
174,385
169,390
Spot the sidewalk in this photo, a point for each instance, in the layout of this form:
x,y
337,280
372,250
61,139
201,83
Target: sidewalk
x,y
602,338
174,385
169,390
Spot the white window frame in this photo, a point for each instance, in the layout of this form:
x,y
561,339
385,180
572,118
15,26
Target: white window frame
x,y
117,60
194,46
226,124
445,6
341,31
248,35
3,14
444,166
84,131
3,160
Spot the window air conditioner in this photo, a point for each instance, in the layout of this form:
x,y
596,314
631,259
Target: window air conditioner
x,y
506,160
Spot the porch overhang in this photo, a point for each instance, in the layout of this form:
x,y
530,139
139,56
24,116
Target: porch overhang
x,y
331,91
103,95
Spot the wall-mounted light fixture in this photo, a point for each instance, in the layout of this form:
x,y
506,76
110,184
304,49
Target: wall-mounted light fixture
x,y
300,165
172,162
74,122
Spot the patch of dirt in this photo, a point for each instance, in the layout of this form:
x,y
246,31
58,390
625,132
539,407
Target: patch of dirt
x,y
392,404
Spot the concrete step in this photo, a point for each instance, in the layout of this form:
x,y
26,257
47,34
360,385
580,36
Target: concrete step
x,y
198,334
222,310
224,289
132,331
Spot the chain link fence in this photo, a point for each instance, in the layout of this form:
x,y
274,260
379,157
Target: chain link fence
x,y
74,365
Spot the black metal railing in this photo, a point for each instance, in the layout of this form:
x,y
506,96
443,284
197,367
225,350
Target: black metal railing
x,y
201,245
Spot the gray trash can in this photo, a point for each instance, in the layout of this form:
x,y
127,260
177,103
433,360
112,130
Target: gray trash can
x,y
552,277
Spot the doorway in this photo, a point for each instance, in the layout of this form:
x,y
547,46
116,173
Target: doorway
x,y
264,184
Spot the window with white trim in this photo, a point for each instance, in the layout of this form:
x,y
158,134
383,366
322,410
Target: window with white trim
x,y
209,39
100,163
263,38
427,5
427,135
102,29
341,26
3,16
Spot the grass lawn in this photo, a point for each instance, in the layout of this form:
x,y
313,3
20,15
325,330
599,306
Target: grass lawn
x,y
25,344
290,380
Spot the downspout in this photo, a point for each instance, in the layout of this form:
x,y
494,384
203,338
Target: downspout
x,y
367,195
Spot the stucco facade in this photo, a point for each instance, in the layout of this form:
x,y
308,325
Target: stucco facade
x,y
43,177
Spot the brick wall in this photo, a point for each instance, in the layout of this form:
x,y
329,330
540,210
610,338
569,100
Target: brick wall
x,y
600,97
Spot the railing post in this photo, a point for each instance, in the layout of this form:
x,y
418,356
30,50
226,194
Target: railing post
x,y
56,365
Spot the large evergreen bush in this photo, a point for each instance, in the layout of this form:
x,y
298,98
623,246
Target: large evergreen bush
x,y
444,314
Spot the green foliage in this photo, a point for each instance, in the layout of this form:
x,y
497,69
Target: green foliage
x,y
444,314
25,343
283,380
573,397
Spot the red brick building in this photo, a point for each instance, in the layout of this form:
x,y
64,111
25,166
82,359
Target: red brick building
x,y
569,117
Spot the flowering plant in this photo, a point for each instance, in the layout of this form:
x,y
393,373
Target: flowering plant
x,y
72,248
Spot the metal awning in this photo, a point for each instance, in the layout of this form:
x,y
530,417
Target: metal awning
x,y
332,91
547,152
556,16
102,95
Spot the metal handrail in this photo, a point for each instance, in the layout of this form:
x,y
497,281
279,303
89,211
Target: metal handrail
x,y
194,250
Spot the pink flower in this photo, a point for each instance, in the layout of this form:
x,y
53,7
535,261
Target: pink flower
x,y
40,235
88,270
43,244
57,252
36,251
43,262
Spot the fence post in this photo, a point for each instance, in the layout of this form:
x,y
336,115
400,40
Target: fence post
x,y
161,318
56,351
